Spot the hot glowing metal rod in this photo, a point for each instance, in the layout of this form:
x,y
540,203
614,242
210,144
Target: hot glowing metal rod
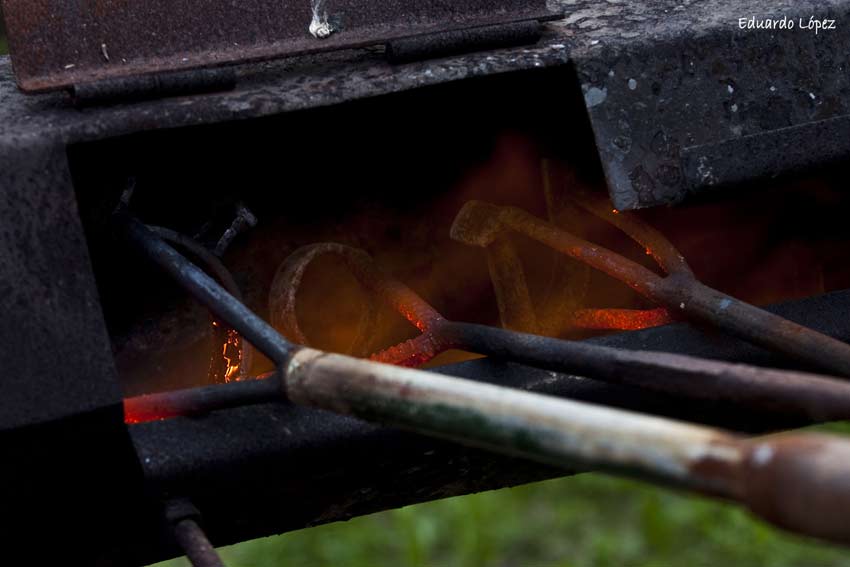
x,y
481,224
153,407
793,394
800,482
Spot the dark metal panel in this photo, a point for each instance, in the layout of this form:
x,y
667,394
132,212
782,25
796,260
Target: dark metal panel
x,y
53,342
656,77
766,155
55,43
69,467
690,77
254,472
78,480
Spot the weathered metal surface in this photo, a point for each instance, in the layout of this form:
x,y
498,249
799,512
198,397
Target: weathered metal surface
x,y
69,468
507,421
657,140
58,361
788,149
258,438
684,80
55,44
265,89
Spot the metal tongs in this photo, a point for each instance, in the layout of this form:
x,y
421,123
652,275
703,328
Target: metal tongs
x,y
791,393
799,481
679,291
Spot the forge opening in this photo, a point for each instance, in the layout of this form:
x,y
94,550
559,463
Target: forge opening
x,y
389,176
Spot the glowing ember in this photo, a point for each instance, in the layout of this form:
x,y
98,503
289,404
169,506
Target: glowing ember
x,y
412,353
180,403
232,353
228,362
143,409
622,319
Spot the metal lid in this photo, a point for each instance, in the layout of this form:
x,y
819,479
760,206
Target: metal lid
x,y
56,44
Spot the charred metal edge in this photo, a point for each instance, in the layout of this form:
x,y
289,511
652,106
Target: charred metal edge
x,y
294,468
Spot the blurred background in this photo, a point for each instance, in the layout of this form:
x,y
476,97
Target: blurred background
x,y
590,520
586,521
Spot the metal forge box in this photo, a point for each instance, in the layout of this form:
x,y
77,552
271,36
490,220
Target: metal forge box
x,y
273,142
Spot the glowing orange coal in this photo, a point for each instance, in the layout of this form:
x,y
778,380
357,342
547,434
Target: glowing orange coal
x,y
621,319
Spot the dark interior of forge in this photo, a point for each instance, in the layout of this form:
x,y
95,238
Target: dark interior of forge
x,y
388,176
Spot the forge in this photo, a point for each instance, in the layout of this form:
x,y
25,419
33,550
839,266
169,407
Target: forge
x,y
560,199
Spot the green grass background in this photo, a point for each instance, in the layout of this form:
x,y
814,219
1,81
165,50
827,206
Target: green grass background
x,y
586,521
591,520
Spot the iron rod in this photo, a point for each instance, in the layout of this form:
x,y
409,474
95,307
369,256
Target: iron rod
x,y
681,293
794,394
209,292
198,401
547,429
194,543
789,393
800,482
216,267
704,304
